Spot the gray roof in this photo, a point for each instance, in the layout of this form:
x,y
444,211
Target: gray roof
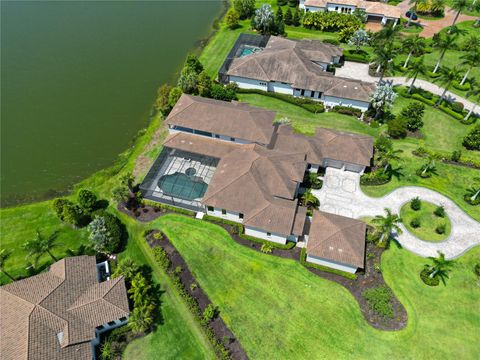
x,y
53,315
296,62
232,119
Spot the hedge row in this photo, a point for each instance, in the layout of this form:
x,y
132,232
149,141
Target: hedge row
x,y
308,104
378,177
352,55
162,259
446,157
239,230
304,262
158,205
347,110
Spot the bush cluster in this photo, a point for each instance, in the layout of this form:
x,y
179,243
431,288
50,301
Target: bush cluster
x,y
440,211
415,223
347,110
445,157
377,177
472,140
379,300
440,229
425,276
413,115
353,55
416,204
344,24
159,206
397,128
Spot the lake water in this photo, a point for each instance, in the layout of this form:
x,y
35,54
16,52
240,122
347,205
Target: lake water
x,y
77,82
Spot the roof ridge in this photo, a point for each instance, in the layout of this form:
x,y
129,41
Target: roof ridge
x,y
336,232
112,283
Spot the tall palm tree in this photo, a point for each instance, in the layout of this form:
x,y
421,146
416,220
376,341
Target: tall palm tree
x,y
41,245
446,78
441,267
459,5
472,43
474,93
387,35
473,193
383,59
413,45
417,68
413,10
4,255
471,59
385,157
387,224
428,169
443,43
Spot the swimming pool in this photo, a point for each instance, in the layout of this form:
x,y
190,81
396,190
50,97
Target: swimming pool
x,y
182,185
247,50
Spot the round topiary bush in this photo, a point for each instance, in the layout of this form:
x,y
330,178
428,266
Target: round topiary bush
x,y
415,223
440,229
416,204
427,280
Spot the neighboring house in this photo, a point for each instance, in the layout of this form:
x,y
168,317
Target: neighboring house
x,y
336,241
60,313
255,182
376,11
294,67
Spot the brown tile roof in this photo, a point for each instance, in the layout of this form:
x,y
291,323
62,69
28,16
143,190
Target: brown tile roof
x,y
259,183
371,7
351,148
53,315
232,119
300,218
294,62
337,238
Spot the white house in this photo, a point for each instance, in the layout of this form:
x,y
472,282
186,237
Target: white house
x,y
299,68
376,11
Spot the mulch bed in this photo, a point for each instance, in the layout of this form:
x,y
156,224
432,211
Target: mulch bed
x,y
370,278
218,326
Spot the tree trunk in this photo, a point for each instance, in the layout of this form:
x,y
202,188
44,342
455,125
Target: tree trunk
x,y
474,197
439,61
455,20
411,85
470,112
466,75
386,167
441,97
408,59
378,69
433,273
381,77
51,255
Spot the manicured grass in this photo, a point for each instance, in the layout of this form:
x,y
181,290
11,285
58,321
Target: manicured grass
x,y
428,222
269,302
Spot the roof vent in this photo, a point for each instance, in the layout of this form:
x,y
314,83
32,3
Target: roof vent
x,y
345,86
340,250
330,247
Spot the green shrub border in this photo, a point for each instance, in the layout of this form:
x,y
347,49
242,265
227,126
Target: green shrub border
x,y
304,262
168,207
305,103
446,157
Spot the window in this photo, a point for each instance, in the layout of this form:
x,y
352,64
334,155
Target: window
x,y
112,323
232,139
302,93
122,319
319,95
312,94
269,234
101,327
217,136
210,208
336,8
240,216
224,212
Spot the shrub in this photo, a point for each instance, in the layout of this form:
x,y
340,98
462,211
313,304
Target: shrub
x,y
331,41
472,140
476,269
105,233
266,248
425,276
456,155
161,102
379,300
68,212
416,204
377,177
413,115
415,223
433,75
450,112
193,286
331,21
353,56
383,143
231,18
347,110
457,106
161,257
397,128
87,200
440,229
209,313
440,211
464,87
244,8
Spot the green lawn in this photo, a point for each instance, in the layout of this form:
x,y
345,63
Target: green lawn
x,y
428,222
280,310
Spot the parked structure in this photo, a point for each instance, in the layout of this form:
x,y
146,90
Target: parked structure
x,y
376,11
60,313
294,67
230,161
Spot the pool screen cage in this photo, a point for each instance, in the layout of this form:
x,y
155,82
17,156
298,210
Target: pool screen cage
x,y
169,162
243,40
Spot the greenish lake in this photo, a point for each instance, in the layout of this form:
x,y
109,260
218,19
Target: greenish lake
x,y
77,82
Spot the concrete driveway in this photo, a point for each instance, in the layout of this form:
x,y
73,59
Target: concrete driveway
x,y
341,195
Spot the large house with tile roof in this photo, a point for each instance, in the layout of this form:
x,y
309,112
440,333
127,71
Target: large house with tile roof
x,y
295,67
230,160
60,313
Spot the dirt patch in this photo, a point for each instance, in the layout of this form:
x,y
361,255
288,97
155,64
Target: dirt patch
x,y
143,162
220,329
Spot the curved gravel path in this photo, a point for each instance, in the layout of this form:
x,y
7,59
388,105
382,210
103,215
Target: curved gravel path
x,y
341,194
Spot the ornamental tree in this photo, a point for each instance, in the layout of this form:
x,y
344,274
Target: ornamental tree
x,y
264,19
359,38
382,99
244,8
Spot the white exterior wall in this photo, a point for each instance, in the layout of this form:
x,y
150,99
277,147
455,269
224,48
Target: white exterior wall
x,y
332,101
246,83
214,136
230,215
332,6
262,234
314,168
331,264
278,87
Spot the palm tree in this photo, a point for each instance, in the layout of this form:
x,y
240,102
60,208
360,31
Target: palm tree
x,y
472,43
4,255
383,58
443,43
414,45
387,224
460,6
440,268
413,10
446,78
417,68
428,169
473,193
474,92
41,245
385,157
437,6
310,200
387,35
471,59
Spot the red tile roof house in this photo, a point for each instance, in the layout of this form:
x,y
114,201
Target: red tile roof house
x,y
294,67
231,161
376,11
60,313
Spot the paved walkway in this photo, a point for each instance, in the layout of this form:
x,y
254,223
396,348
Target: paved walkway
x,y
359,71
431,27
341,194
